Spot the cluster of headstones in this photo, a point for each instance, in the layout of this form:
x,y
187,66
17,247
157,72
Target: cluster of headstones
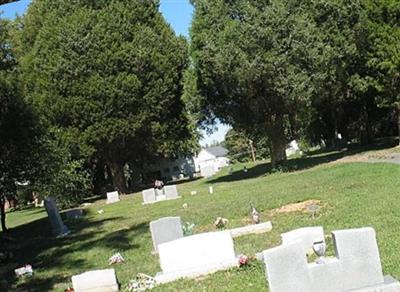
x,y
195,255
153,195
356,266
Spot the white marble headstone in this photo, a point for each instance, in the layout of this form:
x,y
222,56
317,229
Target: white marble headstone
x,y
207,171
171,192
307,236
112,197
96,281
356,266
149,196
196,255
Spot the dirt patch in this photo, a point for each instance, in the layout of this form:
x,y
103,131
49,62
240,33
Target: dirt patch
x,y
296,207
371,156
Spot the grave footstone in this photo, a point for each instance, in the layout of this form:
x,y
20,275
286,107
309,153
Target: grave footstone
x,y
165,230
57,226
112,197
149,196
96,281
196,255
171,192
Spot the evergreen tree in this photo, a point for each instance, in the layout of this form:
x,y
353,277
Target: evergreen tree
x,y
108,75
254,63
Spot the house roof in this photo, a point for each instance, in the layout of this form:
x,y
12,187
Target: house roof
x,y
217,151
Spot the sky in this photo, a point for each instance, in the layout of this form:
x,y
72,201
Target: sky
x,y
177,12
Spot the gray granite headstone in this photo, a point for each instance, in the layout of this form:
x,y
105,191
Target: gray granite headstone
x,y
74,213
165,229
149,196
57,226
171,192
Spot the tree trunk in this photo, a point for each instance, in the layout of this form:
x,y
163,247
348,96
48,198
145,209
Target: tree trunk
x,y
398,119
99,180
277,141
118,176
3,213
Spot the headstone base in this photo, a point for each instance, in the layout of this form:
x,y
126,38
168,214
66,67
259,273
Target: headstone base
x,y
160,199
162,278
389,285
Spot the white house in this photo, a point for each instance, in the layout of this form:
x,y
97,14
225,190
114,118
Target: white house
x,y
215,157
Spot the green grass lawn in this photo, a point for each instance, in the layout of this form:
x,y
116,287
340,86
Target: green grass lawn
x,y
353,195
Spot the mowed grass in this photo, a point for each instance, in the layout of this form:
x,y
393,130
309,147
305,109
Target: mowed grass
x,y
352,194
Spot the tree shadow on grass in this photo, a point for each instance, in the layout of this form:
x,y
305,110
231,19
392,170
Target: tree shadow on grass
x,y
44,252
312,159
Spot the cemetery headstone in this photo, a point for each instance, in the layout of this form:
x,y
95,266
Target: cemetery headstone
x,y
112,197
207,171
356,266
307,236
57,226
196,255
96,281
149,196
165,229
171,192
74,213
210,190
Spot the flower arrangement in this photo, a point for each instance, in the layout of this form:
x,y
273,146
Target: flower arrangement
x,y
221,222
243,260
188,228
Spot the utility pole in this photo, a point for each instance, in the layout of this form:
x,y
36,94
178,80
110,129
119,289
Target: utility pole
x,y
252,150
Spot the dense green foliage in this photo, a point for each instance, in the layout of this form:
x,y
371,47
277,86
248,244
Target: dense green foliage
x,y
108,74
19,126
253,63
291,70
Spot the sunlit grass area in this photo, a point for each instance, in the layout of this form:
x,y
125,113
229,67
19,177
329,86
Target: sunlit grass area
x,y
350,194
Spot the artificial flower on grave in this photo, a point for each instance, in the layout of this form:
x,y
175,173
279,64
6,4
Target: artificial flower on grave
x,y
243,260
221,222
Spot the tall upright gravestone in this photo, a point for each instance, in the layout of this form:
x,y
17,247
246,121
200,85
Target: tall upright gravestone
x,y
57,226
